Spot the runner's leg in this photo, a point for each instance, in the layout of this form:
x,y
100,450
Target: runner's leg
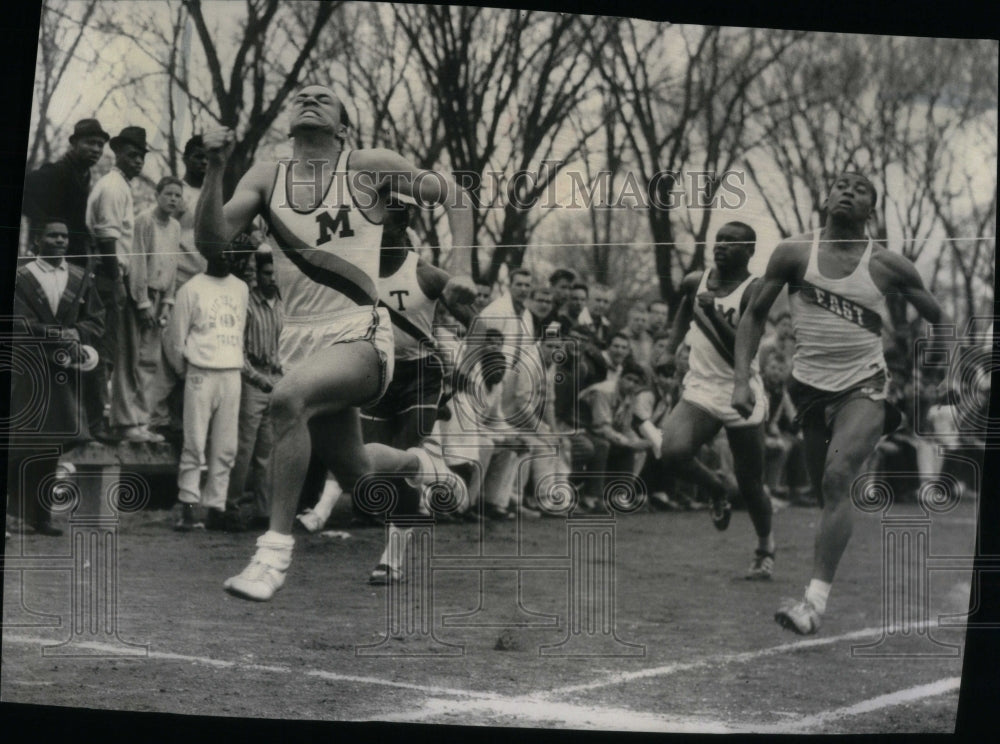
x,y
747,446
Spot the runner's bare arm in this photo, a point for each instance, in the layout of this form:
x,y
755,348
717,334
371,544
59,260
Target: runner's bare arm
x,y
781,270
216,223
456,293
682,318
397,174
906,280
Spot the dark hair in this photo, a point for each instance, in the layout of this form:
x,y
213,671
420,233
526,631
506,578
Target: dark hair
x,y
663,335
666,370
38,226
581,285
620,335
192,144
520,270
750,233
630,367
559,274
263,258
484,283
167,181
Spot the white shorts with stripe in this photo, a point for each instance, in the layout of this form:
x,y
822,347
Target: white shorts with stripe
x,y
715,398
303,337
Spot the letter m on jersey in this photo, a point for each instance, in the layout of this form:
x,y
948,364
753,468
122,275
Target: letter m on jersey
x,y
328,225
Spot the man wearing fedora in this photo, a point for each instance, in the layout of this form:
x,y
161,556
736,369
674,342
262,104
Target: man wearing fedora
x,y
62,188
111,220
58,319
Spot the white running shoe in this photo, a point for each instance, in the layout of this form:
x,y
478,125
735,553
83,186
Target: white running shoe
x,y
798,616
312,521
434,473
264,576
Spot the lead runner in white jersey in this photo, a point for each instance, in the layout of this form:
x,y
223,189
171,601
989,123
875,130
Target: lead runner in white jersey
x,y
707,317
837,281
325,208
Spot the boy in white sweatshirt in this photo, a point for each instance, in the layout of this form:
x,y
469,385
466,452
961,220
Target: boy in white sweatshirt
x,y
204,344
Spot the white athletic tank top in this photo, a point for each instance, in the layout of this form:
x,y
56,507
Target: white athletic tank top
x,y
838,325
401,293
711,357
328,257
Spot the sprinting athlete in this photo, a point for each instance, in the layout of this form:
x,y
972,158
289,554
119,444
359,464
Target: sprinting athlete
x,y
409,289
837,280
324,209
710,310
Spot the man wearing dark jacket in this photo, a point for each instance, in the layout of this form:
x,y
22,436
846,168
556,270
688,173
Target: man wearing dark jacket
x,y
62,188
57,318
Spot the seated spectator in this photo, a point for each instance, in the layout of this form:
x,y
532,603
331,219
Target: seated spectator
x,y
658,313
484,295
639,339
607,411
474,409
574,314
619,350
661,345
540,306
600,306
781,342
56,305
560,281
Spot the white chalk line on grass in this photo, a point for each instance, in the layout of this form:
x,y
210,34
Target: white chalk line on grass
x,y
532,710
112,650
731,658
528,709
613,679
889,700
540,707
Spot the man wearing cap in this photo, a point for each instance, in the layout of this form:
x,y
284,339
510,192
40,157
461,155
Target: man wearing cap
x,y
111,219
58,319
62,187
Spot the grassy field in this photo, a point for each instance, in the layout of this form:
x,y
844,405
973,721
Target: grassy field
x,y
705,653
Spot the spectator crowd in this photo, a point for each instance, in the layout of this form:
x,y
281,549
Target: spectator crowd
x,y
542,389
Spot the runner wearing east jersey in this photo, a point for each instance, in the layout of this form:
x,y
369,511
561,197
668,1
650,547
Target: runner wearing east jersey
x,y
837,282
324,208
712,304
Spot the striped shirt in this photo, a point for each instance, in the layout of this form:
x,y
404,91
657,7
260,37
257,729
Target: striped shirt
x,y
260,343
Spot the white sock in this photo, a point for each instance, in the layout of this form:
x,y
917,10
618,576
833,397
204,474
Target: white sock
x,y
275,549
817,593
396,544
328,499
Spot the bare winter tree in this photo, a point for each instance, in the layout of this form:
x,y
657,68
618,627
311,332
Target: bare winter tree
x,y
686,94
62,27
504,83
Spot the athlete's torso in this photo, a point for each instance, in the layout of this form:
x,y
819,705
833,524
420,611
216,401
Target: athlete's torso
x,y
711,356
838,325
402,294
327,258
